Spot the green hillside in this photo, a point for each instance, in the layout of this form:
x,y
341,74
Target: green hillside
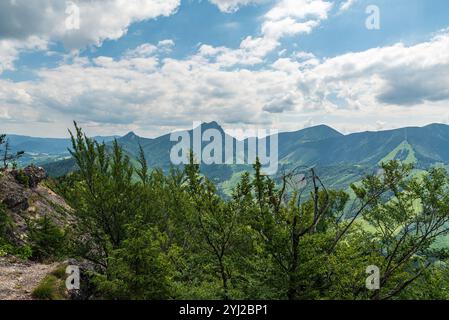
x,y
339,159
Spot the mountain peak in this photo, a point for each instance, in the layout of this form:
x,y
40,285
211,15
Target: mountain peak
x,y
318,132
131,135
323,127
211,125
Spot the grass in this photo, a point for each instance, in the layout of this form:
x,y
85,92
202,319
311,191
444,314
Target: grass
x,y
49,289
59,272
52,287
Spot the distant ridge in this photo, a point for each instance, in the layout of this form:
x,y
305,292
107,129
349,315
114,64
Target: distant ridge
x,y
215,125
341,157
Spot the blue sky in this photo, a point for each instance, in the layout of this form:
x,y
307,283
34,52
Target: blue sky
x,y
154,66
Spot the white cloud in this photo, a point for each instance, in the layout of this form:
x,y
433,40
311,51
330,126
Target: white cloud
x,y
152,91
148,50
27,25
395,75
346,5
10,50
229,6
299,9
109,19
290,17
286,18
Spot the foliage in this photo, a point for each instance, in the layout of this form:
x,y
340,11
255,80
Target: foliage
x,y
50,288
22,178
6,157
6,224
138,270
157,236
7,227
47,240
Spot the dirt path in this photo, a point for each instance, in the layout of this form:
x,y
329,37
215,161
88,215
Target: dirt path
x,y
18,279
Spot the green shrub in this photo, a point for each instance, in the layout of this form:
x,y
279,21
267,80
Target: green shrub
x,y
6,229
6,224
22,178
23,252
138,271
51,288
47,239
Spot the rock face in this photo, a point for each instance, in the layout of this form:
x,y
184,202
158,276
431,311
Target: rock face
x,y
31,201
23,202
87,289
35,175
16,202
13,194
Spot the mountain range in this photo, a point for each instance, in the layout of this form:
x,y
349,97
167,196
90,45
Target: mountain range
x,y
340,159
44,150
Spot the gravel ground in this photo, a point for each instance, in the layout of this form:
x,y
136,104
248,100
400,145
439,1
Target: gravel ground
x,y
18,279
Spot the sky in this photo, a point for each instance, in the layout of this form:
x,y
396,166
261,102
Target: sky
x,y
154,66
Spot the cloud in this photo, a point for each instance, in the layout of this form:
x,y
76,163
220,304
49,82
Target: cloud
x,y
395,75
280,104
148,50
286,18
291,17
346,5
230,6
43,21
299,9
252,51
146,89
99,19
11,48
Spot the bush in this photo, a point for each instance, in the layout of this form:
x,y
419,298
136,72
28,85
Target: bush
x,y
23,252
22,178
47,239
6,228
6,224
138,271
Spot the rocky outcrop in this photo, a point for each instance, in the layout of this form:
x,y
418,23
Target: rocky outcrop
x,y
87,289
30,201
25,197
15,201
13,194
35,175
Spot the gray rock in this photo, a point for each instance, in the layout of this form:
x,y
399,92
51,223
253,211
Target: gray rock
x,y
16,201
35,175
